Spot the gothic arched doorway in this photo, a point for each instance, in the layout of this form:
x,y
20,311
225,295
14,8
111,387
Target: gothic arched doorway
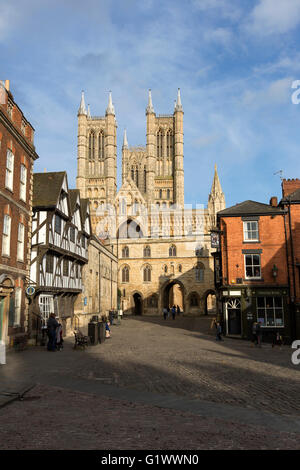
x,y
173,294
138,304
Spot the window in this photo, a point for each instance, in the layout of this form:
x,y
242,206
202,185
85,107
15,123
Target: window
x,y
169,144
168,194
147,274
159,144
6,235
152,301
72,234
83,241
49,263
66,267
147,252
125,274
20,249
57,224
194,301
251,230
91,145
101,146
252,265
160,194
46,304
172,250
270,311
23,181
18,303
9,177
199,272
125,252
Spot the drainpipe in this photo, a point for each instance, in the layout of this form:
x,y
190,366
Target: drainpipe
x,y
294,274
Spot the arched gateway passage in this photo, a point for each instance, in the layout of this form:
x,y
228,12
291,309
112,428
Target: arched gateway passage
x,y
173,294
138,304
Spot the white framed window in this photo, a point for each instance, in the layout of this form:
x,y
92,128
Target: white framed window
x,y
46,304
6,235
250,230
252,266
20,250
270,311
18,303
9,176
23,181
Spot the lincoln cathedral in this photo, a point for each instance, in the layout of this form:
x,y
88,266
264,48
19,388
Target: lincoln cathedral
x,y
163,249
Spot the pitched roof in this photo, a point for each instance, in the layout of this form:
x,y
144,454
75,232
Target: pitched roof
x,y
250,208
46,188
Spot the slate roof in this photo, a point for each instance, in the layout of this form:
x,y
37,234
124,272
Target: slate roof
x,y
250,208
46,189
293,197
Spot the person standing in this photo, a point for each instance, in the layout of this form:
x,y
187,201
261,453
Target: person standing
x,y
219,332
165,313
52,324
258,334
173,312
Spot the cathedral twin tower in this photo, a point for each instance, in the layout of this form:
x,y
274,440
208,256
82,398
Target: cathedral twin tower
x,y
156,170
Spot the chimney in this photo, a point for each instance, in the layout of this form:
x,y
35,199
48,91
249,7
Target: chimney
x,y
7,85
273,201
289,186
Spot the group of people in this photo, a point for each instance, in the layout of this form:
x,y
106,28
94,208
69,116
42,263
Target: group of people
x,y
174,311
54,332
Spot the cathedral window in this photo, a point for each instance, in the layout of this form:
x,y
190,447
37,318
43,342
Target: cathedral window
x,y
199,272
91,145
132,173
147,274
169,144
101,146
172,250
147,252
159,143
125,252
125,274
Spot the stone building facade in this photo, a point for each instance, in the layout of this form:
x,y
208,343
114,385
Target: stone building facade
x,y
163,249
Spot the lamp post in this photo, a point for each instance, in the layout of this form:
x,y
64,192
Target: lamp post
x,y
275,271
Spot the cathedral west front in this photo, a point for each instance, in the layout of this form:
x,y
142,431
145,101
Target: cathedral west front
x,y
163,249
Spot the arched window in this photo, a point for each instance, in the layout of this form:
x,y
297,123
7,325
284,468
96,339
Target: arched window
x,y
168,194
91,145
172,250
125,274
159,143
101,146
199,272
194,300
137,176
152,301
147,274
147,252
160,194
125,252
169,144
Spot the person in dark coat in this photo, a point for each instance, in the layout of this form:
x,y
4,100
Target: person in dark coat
x,y
173,312
52,324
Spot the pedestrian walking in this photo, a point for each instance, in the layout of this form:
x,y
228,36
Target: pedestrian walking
x,y
107,329
219,332
165,313
173,312
52,324
258,334
254,336
59,338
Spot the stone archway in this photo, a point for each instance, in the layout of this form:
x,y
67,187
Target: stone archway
x,y
138,304
173,294
210,302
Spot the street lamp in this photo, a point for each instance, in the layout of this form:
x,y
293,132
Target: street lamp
x,y
274,271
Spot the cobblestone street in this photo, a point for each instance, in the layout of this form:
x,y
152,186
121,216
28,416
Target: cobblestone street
x,y
168,382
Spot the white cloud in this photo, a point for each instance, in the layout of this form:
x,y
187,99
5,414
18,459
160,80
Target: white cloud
x,y
274,17
219,35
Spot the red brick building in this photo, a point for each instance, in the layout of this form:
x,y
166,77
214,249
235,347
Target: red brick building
x,y
17,155
253,269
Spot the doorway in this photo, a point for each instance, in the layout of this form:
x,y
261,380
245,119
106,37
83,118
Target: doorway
x,y
173,295
233,316
138,304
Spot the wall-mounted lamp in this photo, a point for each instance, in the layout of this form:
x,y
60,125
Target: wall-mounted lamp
x,y
274,271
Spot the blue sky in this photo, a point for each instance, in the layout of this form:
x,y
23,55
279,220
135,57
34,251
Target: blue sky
x,y
234,61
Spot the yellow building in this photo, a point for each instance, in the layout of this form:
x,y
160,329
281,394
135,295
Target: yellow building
x,y
163,248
